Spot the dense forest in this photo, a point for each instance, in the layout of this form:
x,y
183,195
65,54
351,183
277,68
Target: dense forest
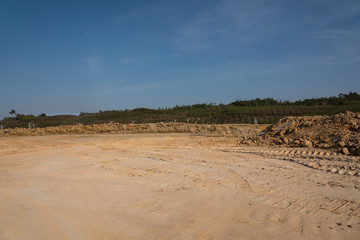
x,y
266,110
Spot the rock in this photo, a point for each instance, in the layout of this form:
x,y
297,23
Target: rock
x,y
352,173
352,123
342,171
345,151
313,165
333,170
341,144
357,152
307,143
296,142
326,145
292,125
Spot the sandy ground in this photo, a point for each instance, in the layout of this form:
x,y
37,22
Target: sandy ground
x,y
167,186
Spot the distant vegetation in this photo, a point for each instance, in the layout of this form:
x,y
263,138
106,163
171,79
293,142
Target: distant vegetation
x,y
266,110
342,99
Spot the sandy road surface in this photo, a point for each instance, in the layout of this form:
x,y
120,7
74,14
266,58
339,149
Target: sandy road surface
x,y
166,186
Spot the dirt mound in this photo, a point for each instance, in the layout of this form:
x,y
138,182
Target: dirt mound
x,y
235,130
339,132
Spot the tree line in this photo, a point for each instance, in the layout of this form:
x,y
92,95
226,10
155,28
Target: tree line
x,y
266,110
339,100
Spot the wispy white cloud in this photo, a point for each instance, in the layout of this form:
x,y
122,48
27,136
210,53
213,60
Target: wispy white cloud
x,y
144,87
128,60
332,11
192,39
326,60
231,72
132,60
93,63
246,23
254,68
342,44
106,89
337,35
227,21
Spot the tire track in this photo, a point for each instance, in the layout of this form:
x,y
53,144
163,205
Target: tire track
x,y
287,201
317,159
242,182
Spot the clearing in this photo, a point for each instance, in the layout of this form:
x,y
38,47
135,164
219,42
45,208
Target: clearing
x,y
171,186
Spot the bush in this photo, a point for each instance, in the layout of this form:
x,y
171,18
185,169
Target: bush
x,y
24,117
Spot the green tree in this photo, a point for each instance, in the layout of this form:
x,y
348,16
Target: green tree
x,y
12,112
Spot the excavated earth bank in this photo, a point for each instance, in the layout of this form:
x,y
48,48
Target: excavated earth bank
x,y
340,133
234,130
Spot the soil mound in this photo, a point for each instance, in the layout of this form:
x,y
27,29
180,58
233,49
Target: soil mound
x,y
339,132
235,130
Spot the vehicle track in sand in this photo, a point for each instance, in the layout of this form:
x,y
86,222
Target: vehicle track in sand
x,y
320,159
271,196
315,159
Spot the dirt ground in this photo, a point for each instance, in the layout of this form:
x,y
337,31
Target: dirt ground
x,y
169,186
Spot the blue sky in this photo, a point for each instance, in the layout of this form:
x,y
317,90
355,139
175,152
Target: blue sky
x,y
73,56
